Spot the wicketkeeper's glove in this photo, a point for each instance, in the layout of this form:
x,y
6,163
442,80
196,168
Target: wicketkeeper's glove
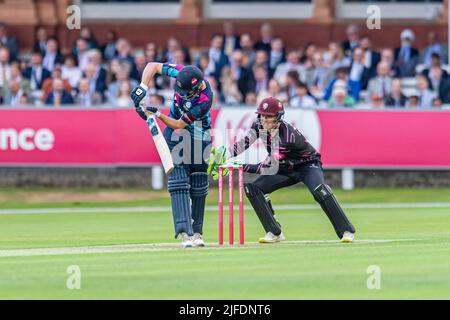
x,y
138,94
217,158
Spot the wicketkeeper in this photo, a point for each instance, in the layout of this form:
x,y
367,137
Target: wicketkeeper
x,y
291,160
188,183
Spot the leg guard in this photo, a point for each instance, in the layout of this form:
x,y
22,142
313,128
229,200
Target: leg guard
x,y
325,197
263,209
199,191
178,186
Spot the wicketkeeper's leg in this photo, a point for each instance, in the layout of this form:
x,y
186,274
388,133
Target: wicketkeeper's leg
x,y
323,194
257,193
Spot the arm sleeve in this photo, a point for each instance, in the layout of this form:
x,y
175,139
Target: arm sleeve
x,y
250,137
269,166
171,70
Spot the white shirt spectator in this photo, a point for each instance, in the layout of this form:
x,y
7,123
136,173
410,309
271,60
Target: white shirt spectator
x,y
303,102
73,75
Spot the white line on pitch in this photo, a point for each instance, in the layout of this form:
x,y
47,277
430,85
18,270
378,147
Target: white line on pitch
x,y
400,205
157,247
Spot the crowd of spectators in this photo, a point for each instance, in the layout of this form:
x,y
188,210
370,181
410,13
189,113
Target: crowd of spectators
x,y
240,68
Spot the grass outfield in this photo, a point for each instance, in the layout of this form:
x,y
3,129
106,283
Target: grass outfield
x,y
132,255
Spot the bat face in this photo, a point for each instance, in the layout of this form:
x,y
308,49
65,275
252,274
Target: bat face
x,y
152,126
161,144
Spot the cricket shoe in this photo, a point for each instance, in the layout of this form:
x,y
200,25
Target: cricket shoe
x,y
271,238
186,240
197,240
348,237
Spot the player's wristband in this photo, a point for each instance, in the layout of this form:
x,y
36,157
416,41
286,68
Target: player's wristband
x,y
158,114
144,86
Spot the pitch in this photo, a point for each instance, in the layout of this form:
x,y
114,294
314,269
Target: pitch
x,y
124,248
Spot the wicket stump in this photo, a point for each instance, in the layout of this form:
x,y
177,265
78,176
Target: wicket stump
x,y
231,203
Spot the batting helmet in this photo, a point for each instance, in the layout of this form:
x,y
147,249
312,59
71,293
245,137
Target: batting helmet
x,y
271,107
188,81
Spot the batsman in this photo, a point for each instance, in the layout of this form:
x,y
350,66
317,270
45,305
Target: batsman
x,y
188,125
291,159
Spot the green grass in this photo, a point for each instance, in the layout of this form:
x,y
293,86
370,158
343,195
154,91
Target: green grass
x,y
412,269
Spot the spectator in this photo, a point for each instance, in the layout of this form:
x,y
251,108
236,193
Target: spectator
x,y
47,85
70,71
87,35
376,101
251,99
109,49
97,81
353,87
371,57
302,98
241,75
340,97
261,60
41,40
335,58
172,45
8,42
358,71
151,52
141,62
266,34
248,52
425,95
277,55
59,96
123,99
13,94
406,56
203,62
274,90
24,100
292,63
317,74
115,87
85,97
35,73
230,90
413,102
261,79
380,85
5,67
396,99
230,39
308,53
217,58
387,55
16,76
352,42
435,63
292,82
434,47
438,83
52,56
81,53
436,103
124,55
156,100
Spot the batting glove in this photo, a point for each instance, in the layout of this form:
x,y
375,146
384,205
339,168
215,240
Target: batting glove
x,y
154,110
141,112
138,94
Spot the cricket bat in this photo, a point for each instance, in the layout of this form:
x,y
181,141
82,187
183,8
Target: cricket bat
x,y
160,142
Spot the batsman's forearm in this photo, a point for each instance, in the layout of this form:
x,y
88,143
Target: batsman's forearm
x,y
172,123
150,70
